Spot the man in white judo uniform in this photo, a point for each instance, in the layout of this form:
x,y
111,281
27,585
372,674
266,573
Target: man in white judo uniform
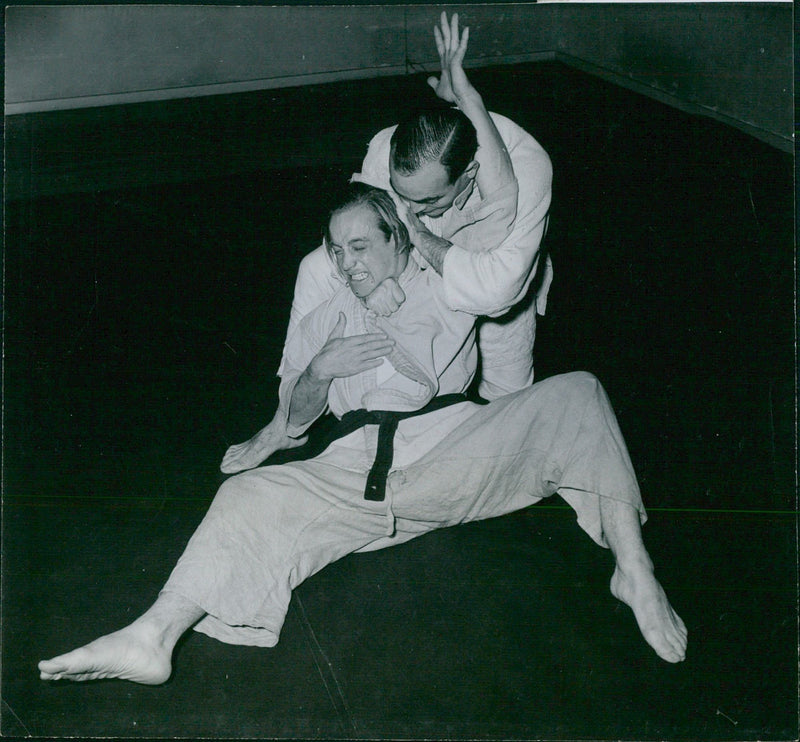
x,y
413,456
447,164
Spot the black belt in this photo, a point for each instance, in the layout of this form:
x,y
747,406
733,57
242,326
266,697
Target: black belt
x,y
387,421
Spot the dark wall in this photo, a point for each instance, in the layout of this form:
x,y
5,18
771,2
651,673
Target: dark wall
x,y
727,60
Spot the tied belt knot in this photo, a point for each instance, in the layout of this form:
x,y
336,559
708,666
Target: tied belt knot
x,y
387,421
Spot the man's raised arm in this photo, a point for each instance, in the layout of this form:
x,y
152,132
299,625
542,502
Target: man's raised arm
x,y
494,278
495,168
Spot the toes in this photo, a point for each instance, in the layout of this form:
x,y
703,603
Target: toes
x,y
676,653
667,647
676,642
51,667
663,646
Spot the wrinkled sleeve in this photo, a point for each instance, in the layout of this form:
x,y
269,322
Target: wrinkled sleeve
x,y
316,283
492,280
301,347
490,223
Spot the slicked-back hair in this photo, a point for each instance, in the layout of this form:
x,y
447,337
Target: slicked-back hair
x,y
441,133
381,203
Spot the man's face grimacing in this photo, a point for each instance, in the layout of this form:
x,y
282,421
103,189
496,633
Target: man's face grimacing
x,y
428,191
364,254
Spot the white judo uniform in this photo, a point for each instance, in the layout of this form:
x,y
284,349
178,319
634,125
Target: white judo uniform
x,y
488,270
270,528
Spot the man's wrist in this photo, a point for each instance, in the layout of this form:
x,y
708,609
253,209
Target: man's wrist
x,y
434,249
469,102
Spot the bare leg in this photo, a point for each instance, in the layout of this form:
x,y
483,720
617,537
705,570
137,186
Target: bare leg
x,y
141,652
634,583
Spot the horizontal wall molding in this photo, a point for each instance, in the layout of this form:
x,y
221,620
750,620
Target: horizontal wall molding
x,y
784,143
249,86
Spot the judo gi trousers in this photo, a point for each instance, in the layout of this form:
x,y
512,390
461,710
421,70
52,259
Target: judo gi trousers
x,y
270,528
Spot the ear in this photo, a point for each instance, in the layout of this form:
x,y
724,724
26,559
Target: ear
x,y
471,170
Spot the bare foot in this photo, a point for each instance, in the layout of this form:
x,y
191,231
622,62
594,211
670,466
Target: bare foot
x,y
133,653
661,627
259,448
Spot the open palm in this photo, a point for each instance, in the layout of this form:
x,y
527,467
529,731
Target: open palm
x,y
452,84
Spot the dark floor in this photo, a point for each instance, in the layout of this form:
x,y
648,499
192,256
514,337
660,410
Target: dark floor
x,y
146,298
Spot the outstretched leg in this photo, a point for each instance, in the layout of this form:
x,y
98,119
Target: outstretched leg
x,y
634,583
141,652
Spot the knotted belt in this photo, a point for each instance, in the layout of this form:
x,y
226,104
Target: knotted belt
x,y
387,421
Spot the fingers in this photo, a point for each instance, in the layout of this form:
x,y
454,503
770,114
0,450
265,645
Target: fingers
x,y
368,355
373,348
389,302
372,351
437,35
462,46
449,44
338,328
369,338
341,357
445,28
453,28
413,223
360,347
398,295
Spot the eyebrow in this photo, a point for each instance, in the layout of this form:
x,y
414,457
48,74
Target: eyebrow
x,y
354,241
428,200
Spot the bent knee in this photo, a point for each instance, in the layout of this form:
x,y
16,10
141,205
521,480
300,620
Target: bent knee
x,y
579,388
576,381
238,487
585,378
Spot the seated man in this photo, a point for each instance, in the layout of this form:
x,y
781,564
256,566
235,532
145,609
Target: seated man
x,y
412,456
446,164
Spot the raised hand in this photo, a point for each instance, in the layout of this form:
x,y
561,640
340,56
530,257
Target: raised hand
x,y
346,356
452,85
386,298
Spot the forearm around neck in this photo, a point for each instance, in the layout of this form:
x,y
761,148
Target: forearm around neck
x,y
432,248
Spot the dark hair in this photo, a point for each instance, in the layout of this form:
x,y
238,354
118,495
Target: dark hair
x,y
442,133
361,194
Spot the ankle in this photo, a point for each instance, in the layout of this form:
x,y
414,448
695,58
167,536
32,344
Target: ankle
x,y
634,566
167,620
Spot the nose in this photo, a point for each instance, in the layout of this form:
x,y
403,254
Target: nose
x,y
348,261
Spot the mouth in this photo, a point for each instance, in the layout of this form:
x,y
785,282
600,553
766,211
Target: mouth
x,y
358,277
